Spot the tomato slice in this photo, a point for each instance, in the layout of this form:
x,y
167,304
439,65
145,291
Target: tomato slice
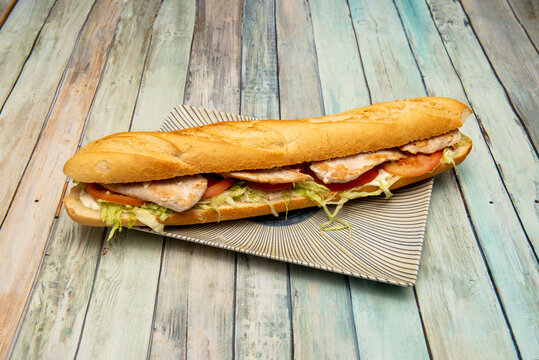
x,y
99,192
413,165
360,181
268,187
215,186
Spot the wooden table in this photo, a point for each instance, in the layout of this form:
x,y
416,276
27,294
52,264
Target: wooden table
x,y
73,71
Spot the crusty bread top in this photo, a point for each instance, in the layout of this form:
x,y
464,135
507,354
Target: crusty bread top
x,y
262,144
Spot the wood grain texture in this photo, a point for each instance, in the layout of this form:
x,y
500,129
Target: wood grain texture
x,y
17,37
298,71
120,313
504,134
512,55
33,95
5,9
40,190
322,322
527,13
262,301
448,227
208,304
53,322
162,85
458,305
163,82
508,253
390,314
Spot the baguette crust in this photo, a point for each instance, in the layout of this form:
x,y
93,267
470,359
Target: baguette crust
x,y
85,216
262,144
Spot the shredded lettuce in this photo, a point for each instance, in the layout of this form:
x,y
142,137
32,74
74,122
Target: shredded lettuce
x,y
112,213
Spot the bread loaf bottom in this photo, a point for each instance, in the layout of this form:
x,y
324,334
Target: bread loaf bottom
x,y
86,216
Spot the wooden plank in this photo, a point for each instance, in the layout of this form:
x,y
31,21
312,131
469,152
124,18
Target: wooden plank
x,y
120,314
317,332
505,136
389,313
168,54
5,9
33,95
262,306
207,281
33,208
454,252
17,37
163,83
506,248
527,13
512,55
55,315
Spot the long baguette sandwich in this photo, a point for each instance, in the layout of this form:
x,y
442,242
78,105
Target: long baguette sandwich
x,y
232,170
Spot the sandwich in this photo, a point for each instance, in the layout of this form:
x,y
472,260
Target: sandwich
x,y
239,169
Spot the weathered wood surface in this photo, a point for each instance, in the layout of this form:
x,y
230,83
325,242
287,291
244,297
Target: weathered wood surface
x,y
407,78
512,55
203,294
73,71
312,293
390,314
527,13
17,38
263,324
509,256
32,97
39,192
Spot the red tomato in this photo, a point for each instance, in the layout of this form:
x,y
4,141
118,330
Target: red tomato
x,y
99,192
215,187
413,165
360,181
268,187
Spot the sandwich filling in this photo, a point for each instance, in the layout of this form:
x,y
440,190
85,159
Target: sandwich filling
x,y
329,182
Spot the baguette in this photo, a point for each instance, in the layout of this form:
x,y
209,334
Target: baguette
x,y
263,144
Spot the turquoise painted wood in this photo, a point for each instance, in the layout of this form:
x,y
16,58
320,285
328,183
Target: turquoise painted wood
x,y
16,39
508,253
38,194
312,292
207,306
508,48
390,314
263,324
372,19
126,280
82,69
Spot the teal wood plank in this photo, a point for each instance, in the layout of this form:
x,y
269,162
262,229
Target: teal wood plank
x,y
262,301
527,13
386,317
512,55
455,253
120,313
39,192
160,91
207,306
53,322
17,36
317,332
163,83
30,100
505,137
162,87
507,250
